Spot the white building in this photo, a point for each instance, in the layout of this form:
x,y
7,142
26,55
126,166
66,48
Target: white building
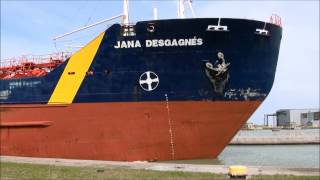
x,y
298,117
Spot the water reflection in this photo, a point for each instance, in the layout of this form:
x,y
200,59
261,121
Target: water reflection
x,y
294,156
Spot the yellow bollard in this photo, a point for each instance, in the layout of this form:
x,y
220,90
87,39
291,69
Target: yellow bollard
x,y
238,171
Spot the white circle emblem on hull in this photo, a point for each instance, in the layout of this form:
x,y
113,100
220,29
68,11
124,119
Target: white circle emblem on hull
x,y
149,81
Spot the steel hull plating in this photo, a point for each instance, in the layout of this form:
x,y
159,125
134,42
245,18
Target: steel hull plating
x,y
178,91
123,131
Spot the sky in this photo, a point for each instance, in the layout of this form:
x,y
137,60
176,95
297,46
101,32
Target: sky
x,y
27,27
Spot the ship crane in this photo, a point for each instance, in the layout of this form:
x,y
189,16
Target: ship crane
x,y
125,17
86,27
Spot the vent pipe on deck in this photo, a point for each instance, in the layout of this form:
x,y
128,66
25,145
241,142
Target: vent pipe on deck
x,y
155,13
125,19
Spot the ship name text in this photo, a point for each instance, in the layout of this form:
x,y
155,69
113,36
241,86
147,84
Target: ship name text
x,y
160,43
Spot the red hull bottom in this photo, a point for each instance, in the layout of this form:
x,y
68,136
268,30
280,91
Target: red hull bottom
x,y
123,131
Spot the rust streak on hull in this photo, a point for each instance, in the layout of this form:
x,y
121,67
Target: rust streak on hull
x,y
126,131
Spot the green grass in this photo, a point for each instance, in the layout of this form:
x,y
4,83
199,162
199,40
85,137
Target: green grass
x,y
41,172
22,171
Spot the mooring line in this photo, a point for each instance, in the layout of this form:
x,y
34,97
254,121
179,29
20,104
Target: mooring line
x,y
170,128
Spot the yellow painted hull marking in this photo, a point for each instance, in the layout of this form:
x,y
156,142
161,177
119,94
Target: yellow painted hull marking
x,y
74,73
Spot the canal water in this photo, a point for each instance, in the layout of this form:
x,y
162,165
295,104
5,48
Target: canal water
x,y
295,156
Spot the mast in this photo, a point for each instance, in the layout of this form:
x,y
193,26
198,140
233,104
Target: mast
x,y
181,9
125,19
191,8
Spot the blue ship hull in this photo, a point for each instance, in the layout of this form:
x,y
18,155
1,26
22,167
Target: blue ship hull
x,y
114,74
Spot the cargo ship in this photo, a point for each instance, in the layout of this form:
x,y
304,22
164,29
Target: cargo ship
x,y
154,90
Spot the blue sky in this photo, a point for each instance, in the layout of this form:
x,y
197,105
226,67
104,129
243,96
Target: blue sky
x,y
27,27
